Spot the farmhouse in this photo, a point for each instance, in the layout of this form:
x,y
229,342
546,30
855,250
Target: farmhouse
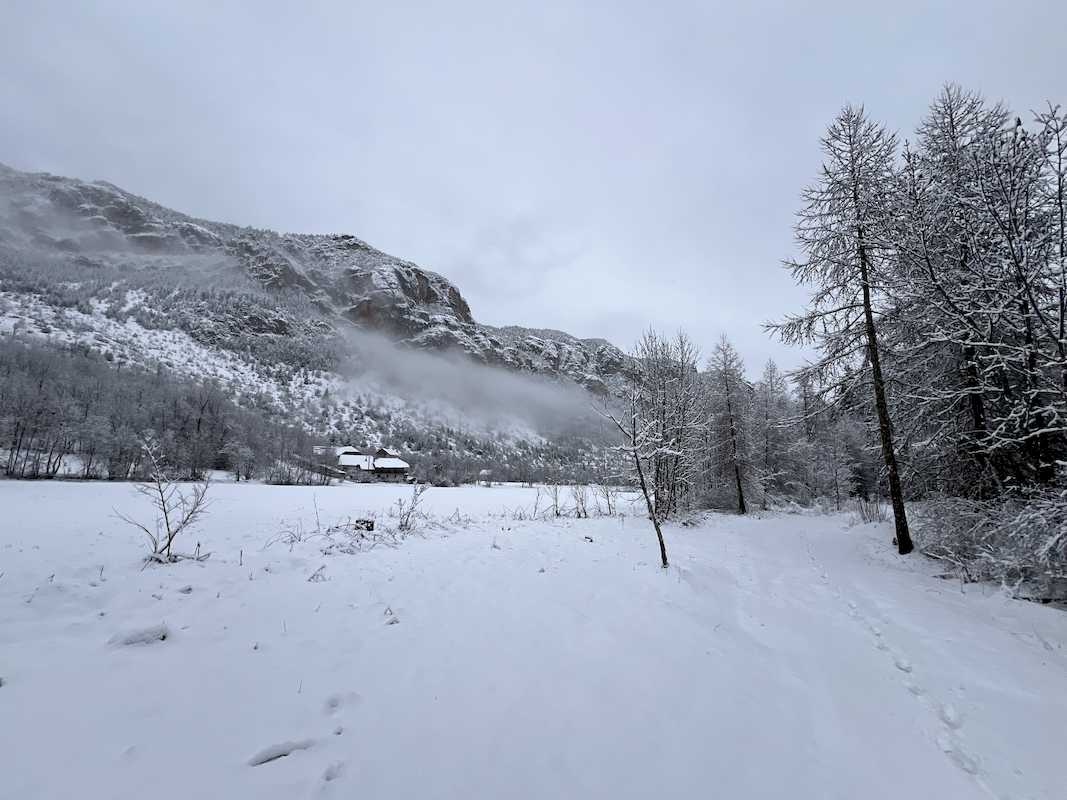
x,y
381,464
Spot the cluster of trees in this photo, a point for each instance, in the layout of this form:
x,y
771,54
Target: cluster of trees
x,y
940,272
938,310
715,439
72,412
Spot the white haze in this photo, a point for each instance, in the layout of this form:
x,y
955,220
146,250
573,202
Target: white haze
x,y
453,382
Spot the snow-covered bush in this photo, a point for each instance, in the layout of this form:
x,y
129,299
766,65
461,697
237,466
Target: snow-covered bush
x,y
580,498
606,497
1019,542
356,536
406,515
177,509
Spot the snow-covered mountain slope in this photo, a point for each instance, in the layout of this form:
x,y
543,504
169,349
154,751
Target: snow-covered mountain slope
x,y
496,655
95,229
470,415
324,332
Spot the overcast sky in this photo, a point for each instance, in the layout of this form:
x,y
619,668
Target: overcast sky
x,y
596,167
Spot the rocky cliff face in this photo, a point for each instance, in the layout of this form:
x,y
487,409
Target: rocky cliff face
x,y
347,282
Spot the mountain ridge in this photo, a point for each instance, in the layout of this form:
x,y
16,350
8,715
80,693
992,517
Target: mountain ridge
x,y
351,284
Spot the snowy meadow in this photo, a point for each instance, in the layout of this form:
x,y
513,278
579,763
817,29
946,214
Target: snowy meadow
x,y
493,653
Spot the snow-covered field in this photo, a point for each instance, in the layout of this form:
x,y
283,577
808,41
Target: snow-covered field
x,y
783,657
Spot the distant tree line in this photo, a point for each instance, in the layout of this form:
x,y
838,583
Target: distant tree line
x,y
70,412
76,413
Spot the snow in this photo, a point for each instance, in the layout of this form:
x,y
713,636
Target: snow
x,y
491,656
390,463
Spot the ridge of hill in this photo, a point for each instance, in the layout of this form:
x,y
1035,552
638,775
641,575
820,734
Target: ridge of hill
x,y
350,284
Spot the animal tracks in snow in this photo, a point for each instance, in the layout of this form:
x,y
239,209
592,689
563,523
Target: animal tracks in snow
x,y
336,702
333,771
149,635
333,706
948,739
281,750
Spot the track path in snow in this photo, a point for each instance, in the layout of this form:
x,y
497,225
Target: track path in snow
x,y
790,656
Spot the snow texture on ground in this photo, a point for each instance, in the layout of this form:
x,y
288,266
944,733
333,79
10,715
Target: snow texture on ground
x,y
785,656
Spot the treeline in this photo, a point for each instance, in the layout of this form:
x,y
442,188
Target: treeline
x,y
76,413
71,412
708,437
939,305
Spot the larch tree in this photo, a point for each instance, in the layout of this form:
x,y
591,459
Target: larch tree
x,y
771,422
730,402
845,229
940,330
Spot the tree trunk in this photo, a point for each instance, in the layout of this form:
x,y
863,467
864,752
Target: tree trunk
x,y
904,543
733,451
648,498
740,490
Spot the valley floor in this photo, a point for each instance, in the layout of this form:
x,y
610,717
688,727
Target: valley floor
x,y
787,656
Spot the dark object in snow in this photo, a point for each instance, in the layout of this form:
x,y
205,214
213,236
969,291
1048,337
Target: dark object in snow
x,y
156,633
186,589
589,538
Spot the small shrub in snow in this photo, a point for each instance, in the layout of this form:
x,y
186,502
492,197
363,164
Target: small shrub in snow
x,y
609,496
868,511
553,493
348,536
1019,542
407,515
580,496
178,509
